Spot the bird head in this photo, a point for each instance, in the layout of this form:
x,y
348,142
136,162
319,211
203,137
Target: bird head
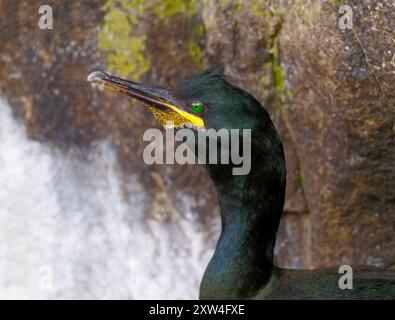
x,y
203,101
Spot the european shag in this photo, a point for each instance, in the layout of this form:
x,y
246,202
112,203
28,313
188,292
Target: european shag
x,y
251,205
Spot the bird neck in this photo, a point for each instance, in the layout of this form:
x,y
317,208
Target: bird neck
x,y
251,207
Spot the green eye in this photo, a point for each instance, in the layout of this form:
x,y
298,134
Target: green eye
x,y
197,107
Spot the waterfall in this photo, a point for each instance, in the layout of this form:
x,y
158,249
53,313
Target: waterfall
x,y
67,231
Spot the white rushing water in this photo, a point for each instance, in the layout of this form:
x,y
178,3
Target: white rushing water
x,y
66,231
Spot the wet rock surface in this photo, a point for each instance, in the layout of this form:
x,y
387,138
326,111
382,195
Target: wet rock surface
x,y
330,93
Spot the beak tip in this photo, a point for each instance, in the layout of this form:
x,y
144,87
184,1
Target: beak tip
x,y
96,76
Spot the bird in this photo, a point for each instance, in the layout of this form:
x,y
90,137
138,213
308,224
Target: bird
x,y
251,205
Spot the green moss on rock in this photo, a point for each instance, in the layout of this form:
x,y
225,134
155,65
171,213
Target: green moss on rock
x,y
168,8
123,41
124,50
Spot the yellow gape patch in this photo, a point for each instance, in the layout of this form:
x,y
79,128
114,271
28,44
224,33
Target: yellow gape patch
x,y
178,117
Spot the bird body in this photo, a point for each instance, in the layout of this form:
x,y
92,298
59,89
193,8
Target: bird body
x,y
251,205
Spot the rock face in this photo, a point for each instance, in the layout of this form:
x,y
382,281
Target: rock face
x,y
329,91
341,116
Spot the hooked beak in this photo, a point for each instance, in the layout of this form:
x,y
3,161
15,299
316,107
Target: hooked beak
x,y
159,100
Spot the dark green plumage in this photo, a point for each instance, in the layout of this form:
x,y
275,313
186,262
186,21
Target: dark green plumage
x,y
251,205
